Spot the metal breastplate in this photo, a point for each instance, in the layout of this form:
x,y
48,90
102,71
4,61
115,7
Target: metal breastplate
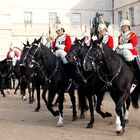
x,y
61,39
124,38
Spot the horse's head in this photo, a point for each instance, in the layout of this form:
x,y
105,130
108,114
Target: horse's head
x,y
93,57
24,53
32,53
75,51
9,65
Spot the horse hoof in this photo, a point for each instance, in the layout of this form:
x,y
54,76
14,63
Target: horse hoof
x,y
119,133
74,118
56,113
82,116
89,126
33,100
30,102
24,98
4,95
36,110
59,125
108,114
126,120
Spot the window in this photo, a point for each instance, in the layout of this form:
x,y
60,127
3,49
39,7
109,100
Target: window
x,y
120,16
27,18
76,18
131,15
52,17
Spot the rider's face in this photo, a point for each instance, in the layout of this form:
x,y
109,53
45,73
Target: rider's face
x,y
124,28
59,32
102,32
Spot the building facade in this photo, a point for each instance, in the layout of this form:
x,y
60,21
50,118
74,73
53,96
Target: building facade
x,y
128,9
28,19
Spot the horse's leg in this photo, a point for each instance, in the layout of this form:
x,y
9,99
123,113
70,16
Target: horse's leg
x,y
89,97
38,99
29,91
23,86
100,97
82,100
56,102
119,101
60,106
2,92
51,95
33,89
15,92
13,83
126,113
73,100
13,80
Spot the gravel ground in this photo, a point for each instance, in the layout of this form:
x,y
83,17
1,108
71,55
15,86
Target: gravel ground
x,y
18,121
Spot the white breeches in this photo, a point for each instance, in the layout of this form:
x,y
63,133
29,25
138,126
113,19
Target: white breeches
x,y
62,54
126,54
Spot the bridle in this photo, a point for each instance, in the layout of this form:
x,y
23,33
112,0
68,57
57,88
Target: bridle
x,y
99,56
34,63
75,55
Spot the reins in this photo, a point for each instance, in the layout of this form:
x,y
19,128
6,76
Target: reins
x,y
48,79
109,82
53,73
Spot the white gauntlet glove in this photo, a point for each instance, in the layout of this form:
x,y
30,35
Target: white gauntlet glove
x,y
120,46
126,46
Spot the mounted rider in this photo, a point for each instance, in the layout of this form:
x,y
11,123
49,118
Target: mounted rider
x,y
14,55
107,39
127,42
62,43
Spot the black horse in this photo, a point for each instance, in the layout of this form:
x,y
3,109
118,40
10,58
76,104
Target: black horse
x,y
115,73
94,85
5,70
57,77
36,74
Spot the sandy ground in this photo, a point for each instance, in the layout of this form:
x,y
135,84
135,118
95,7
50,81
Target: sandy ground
x,y
18,121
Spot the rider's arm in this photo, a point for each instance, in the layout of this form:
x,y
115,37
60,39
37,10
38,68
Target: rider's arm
x,y
68,43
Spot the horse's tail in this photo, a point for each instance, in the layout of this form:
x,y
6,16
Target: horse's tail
x,y
135,99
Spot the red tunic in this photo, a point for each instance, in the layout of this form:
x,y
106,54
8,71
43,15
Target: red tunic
x,y
110,42
16,54
67,43
133,40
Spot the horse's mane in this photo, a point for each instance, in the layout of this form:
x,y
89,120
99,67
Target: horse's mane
x,y
111,53
3,64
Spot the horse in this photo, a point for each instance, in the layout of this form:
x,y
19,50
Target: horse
x,y
93,85
115,73
5,69
57,77
38,75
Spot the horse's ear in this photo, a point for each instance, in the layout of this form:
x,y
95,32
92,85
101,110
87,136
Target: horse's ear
x,y
23,44
39,40
35,40
28,44
82,40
